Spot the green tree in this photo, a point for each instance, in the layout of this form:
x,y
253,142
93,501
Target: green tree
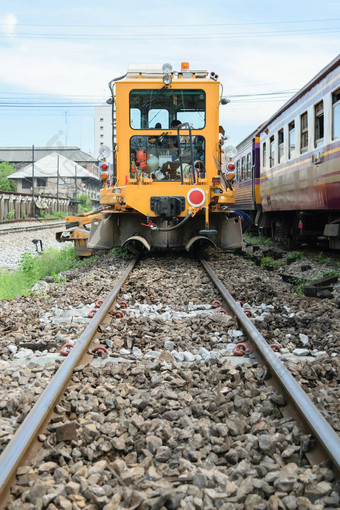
x,y
85,203
5,170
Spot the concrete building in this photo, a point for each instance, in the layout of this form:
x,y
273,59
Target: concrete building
x,y
59,176
103,129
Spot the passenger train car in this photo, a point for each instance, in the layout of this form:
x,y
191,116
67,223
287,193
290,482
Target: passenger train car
x,y
169,188
288,170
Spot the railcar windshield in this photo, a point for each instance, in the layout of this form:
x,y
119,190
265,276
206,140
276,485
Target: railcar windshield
x,y
160,108
158,156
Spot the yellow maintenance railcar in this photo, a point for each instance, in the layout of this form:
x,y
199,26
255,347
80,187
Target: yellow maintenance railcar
x,y
170,187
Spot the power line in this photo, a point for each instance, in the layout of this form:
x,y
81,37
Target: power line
x,y
138,37
231,24
17,104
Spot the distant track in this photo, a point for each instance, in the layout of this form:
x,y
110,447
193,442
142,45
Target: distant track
x,y
24,225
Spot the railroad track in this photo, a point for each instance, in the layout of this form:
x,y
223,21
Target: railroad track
x,y
104,319
22,227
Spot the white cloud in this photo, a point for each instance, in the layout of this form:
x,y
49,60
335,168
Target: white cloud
x,y
8,24
79,68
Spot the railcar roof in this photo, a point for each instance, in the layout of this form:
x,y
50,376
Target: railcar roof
x,y
326,70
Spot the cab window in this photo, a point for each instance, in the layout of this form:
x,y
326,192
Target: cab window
x,y
164,106
158,118
158,156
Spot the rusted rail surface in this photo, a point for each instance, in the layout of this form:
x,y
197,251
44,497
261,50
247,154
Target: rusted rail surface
x,y
311,416
17,448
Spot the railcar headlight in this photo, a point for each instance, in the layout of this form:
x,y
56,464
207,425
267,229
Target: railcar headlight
x,y
230,151
167,68
167,79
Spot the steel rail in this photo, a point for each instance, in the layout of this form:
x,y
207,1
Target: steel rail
x,y
314,420
17,448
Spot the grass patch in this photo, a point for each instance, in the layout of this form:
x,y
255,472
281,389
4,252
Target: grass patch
x,y
331,272
35,267
55,214
295,255
258,240
322,258
120,251
269,263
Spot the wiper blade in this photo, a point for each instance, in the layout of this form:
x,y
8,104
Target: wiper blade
x,y
158,93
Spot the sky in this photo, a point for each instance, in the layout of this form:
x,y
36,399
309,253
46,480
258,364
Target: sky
x,y
56,58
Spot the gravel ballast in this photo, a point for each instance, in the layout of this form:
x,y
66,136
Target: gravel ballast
x,y
167,421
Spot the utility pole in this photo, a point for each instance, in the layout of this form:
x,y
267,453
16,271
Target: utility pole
x,y
66,129
58,184
33,208
75,190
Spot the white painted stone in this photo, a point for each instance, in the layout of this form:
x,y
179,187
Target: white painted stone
x,y
304,339
235,333
230,347
301,352
179,356
137,352
204,353
188,356
24,353
317,354
152,354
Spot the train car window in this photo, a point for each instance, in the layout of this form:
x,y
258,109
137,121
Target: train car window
x,y
291,140
184,105
336,114
304,132
248,165
280,142
264,154
271,151
243,168
238,170
158,156
318,124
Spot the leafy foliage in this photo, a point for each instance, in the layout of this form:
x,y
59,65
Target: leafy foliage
x,y
5,170
10,215
269,262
